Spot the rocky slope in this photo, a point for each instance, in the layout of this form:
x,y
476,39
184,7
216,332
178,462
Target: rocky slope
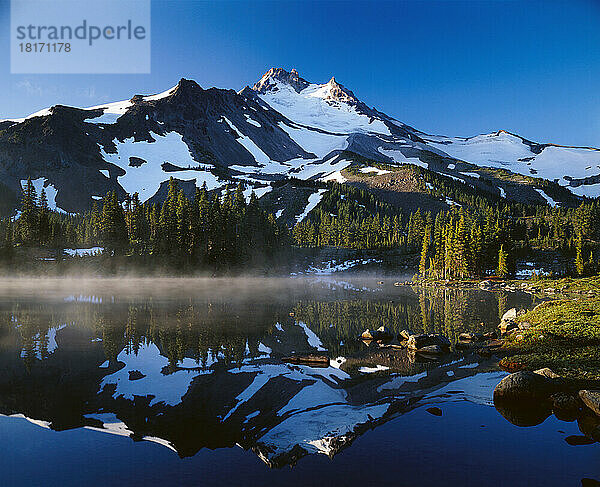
x,y
281,127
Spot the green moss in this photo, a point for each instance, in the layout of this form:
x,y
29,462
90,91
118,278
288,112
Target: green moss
x,y
565,336
584,285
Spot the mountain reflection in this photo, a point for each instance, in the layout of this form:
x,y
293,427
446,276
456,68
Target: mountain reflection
x,y
199,369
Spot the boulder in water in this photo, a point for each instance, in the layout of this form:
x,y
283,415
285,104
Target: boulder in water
x,y
420,342
383,333
404,335
591,399
525,386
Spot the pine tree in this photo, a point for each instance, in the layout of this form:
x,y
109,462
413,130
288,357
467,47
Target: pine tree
x,y
579,262
113,229
424,252
43,219
28,221
502,270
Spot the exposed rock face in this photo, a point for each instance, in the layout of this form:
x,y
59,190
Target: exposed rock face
x,y
269,80
509,321
525,386
221,137
69,147
591,399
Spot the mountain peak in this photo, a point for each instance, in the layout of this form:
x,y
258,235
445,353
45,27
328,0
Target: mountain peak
x,y
337,92
274,76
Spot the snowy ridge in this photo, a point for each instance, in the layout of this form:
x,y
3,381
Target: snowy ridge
x,y
285,126
503,150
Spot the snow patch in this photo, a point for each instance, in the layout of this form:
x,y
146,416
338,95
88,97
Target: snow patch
x,y
146,179
376,170
313,200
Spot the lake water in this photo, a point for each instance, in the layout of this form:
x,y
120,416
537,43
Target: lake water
x,y
182,382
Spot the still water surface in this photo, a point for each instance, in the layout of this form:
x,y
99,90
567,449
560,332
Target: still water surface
x,y
182,382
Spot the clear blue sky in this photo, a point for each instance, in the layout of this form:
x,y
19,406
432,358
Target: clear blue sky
x,y
453,68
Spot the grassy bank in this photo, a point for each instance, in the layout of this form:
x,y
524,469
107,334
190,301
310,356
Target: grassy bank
x,y
564,333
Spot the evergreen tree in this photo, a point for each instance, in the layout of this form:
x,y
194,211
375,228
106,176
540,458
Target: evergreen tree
x,y
43,219
579,262
502,270
28,221
113,230
424,252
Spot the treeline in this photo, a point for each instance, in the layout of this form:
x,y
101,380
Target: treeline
x,y
209,231
352,218
483,234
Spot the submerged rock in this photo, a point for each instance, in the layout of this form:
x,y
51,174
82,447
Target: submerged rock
x,y
312,360
431,349
589,425
591,399
523,413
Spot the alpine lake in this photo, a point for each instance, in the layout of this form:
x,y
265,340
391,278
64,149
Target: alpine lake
x,y
122,382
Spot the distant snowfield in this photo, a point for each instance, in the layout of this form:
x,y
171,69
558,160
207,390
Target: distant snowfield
x,y
334,266
309,107
376,170
505,151
313,200
399,158
146,179
112,111
249,145
314,141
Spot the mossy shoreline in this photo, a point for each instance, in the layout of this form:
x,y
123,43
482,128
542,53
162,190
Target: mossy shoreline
x,y
564,332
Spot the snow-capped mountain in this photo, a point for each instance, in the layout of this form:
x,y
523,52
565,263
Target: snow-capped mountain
x,y
281,127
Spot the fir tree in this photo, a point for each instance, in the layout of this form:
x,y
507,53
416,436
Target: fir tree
x,y
113,229
579,262
502,270
43,219
28,221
